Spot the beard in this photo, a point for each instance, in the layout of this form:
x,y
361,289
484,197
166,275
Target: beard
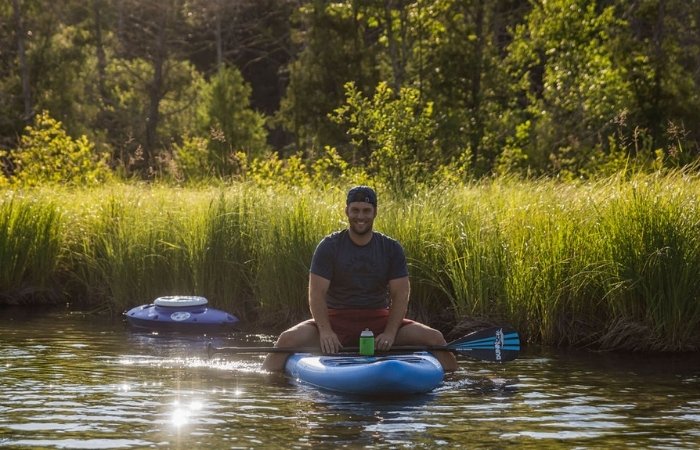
x,y
361,229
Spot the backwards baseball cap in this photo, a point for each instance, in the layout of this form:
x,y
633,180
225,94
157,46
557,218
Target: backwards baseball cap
x,y
362,194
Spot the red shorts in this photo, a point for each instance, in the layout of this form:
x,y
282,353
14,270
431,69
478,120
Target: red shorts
x,y
349,323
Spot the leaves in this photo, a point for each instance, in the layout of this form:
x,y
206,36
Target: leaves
x,y
527,88
398,131
46,154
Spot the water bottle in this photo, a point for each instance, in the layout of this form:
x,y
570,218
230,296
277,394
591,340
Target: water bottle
x,y
367,342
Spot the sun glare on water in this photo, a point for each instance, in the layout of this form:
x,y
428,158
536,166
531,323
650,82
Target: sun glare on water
x,y
182,413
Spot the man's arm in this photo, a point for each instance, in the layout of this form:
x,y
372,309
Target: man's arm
x,y
399,291
328,340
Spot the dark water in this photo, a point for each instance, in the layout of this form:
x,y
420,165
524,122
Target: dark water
x,y
74,381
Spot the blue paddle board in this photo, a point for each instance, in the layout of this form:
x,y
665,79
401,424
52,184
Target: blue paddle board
x,y
390,375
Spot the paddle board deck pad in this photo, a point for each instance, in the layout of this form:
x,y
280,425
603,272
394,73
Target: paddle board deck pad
x,y
182,313
389,375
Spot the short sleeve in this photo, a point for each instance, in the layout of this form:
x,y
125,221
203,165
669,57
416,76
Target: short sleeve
x,y
322,260
399,267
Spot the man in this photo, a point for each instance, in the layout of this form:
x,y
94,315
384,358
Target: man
x,y
358,279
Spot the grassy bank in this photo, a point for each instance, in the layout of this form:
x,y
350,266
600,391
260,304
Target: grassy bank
x,y
612,264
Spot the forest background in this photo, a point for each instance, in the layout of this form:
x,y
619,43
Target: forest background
x,y
553,142
404,89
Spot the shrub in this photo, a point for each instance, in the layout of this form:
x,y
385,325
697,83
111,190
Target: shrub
x,y
46,154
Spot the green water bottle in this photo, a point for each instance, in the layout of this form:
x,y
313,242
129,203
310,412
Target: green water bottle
x,y
367,342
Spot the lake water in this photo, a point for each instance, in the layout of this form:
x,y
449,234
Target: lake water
x,y
76,381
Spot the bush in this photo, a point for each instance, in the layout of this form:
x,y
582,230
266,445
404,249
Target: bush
x,y
46,154
398,128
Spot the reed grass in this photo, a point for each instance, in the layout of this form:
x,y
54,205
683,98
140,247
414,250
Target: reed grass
x,y
653,247
610,264
133,244
284,229
30,242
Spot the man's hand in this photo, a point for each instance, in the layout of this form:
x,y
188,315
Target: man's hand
x,y
329,342
384,341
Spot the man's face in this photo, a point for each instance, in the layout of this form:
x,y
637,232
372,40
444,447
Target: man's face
x,y
361,217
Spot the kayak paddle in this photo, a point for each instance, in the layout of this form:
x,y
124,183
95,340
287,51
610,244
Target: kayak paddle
x,y
498,344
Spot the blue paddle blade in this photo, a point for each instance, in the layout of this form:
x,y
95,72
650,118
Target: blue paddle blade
x,y
492,344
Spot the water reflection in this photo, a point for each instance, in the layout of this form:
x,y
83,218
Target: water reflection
x,y
79,382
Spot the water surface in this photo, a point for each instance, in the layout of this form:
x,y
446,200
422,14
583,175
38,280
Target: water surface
x,y
69,380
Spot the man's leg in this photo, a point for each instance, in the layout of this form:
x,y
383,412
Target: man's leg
x,y
304,334
418,334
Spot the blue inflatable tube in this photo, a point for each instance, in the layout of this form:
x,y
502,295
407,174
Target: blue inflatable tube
x,y
414,373
180,313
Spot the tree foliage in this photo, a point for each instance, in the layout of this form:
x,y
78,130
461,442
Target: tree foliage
x,y
570,82
226,114
565,88
398,130
46,154
338,45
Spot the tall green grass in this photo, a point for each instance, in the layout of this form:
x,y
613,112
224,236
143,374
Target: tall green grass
x,y
30,241
653,248
610,264
133,244
284,229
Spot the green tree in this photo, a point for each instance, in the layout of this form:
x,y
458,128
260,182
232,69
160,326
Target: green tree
x,y
661,49
152,38
66,88
398,128
253,35
458,64
571,83
25,28
20,37
128,86
225,114
338,45
47,154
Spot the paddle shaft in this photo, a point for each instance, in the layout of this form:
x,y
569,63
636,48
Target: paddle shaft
x,y
405,348
492,344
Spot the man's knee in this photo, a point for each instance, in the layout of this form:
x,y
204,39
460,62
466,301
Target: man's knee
x,y
296,336
285,338
435,337
420,334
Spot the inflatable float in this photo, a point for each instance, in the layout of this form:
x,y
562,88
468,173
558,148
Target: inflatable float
x,y
180,313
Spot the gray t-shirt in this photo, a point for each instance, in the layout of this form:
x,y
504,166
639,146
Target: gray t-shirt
x,y
359,275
